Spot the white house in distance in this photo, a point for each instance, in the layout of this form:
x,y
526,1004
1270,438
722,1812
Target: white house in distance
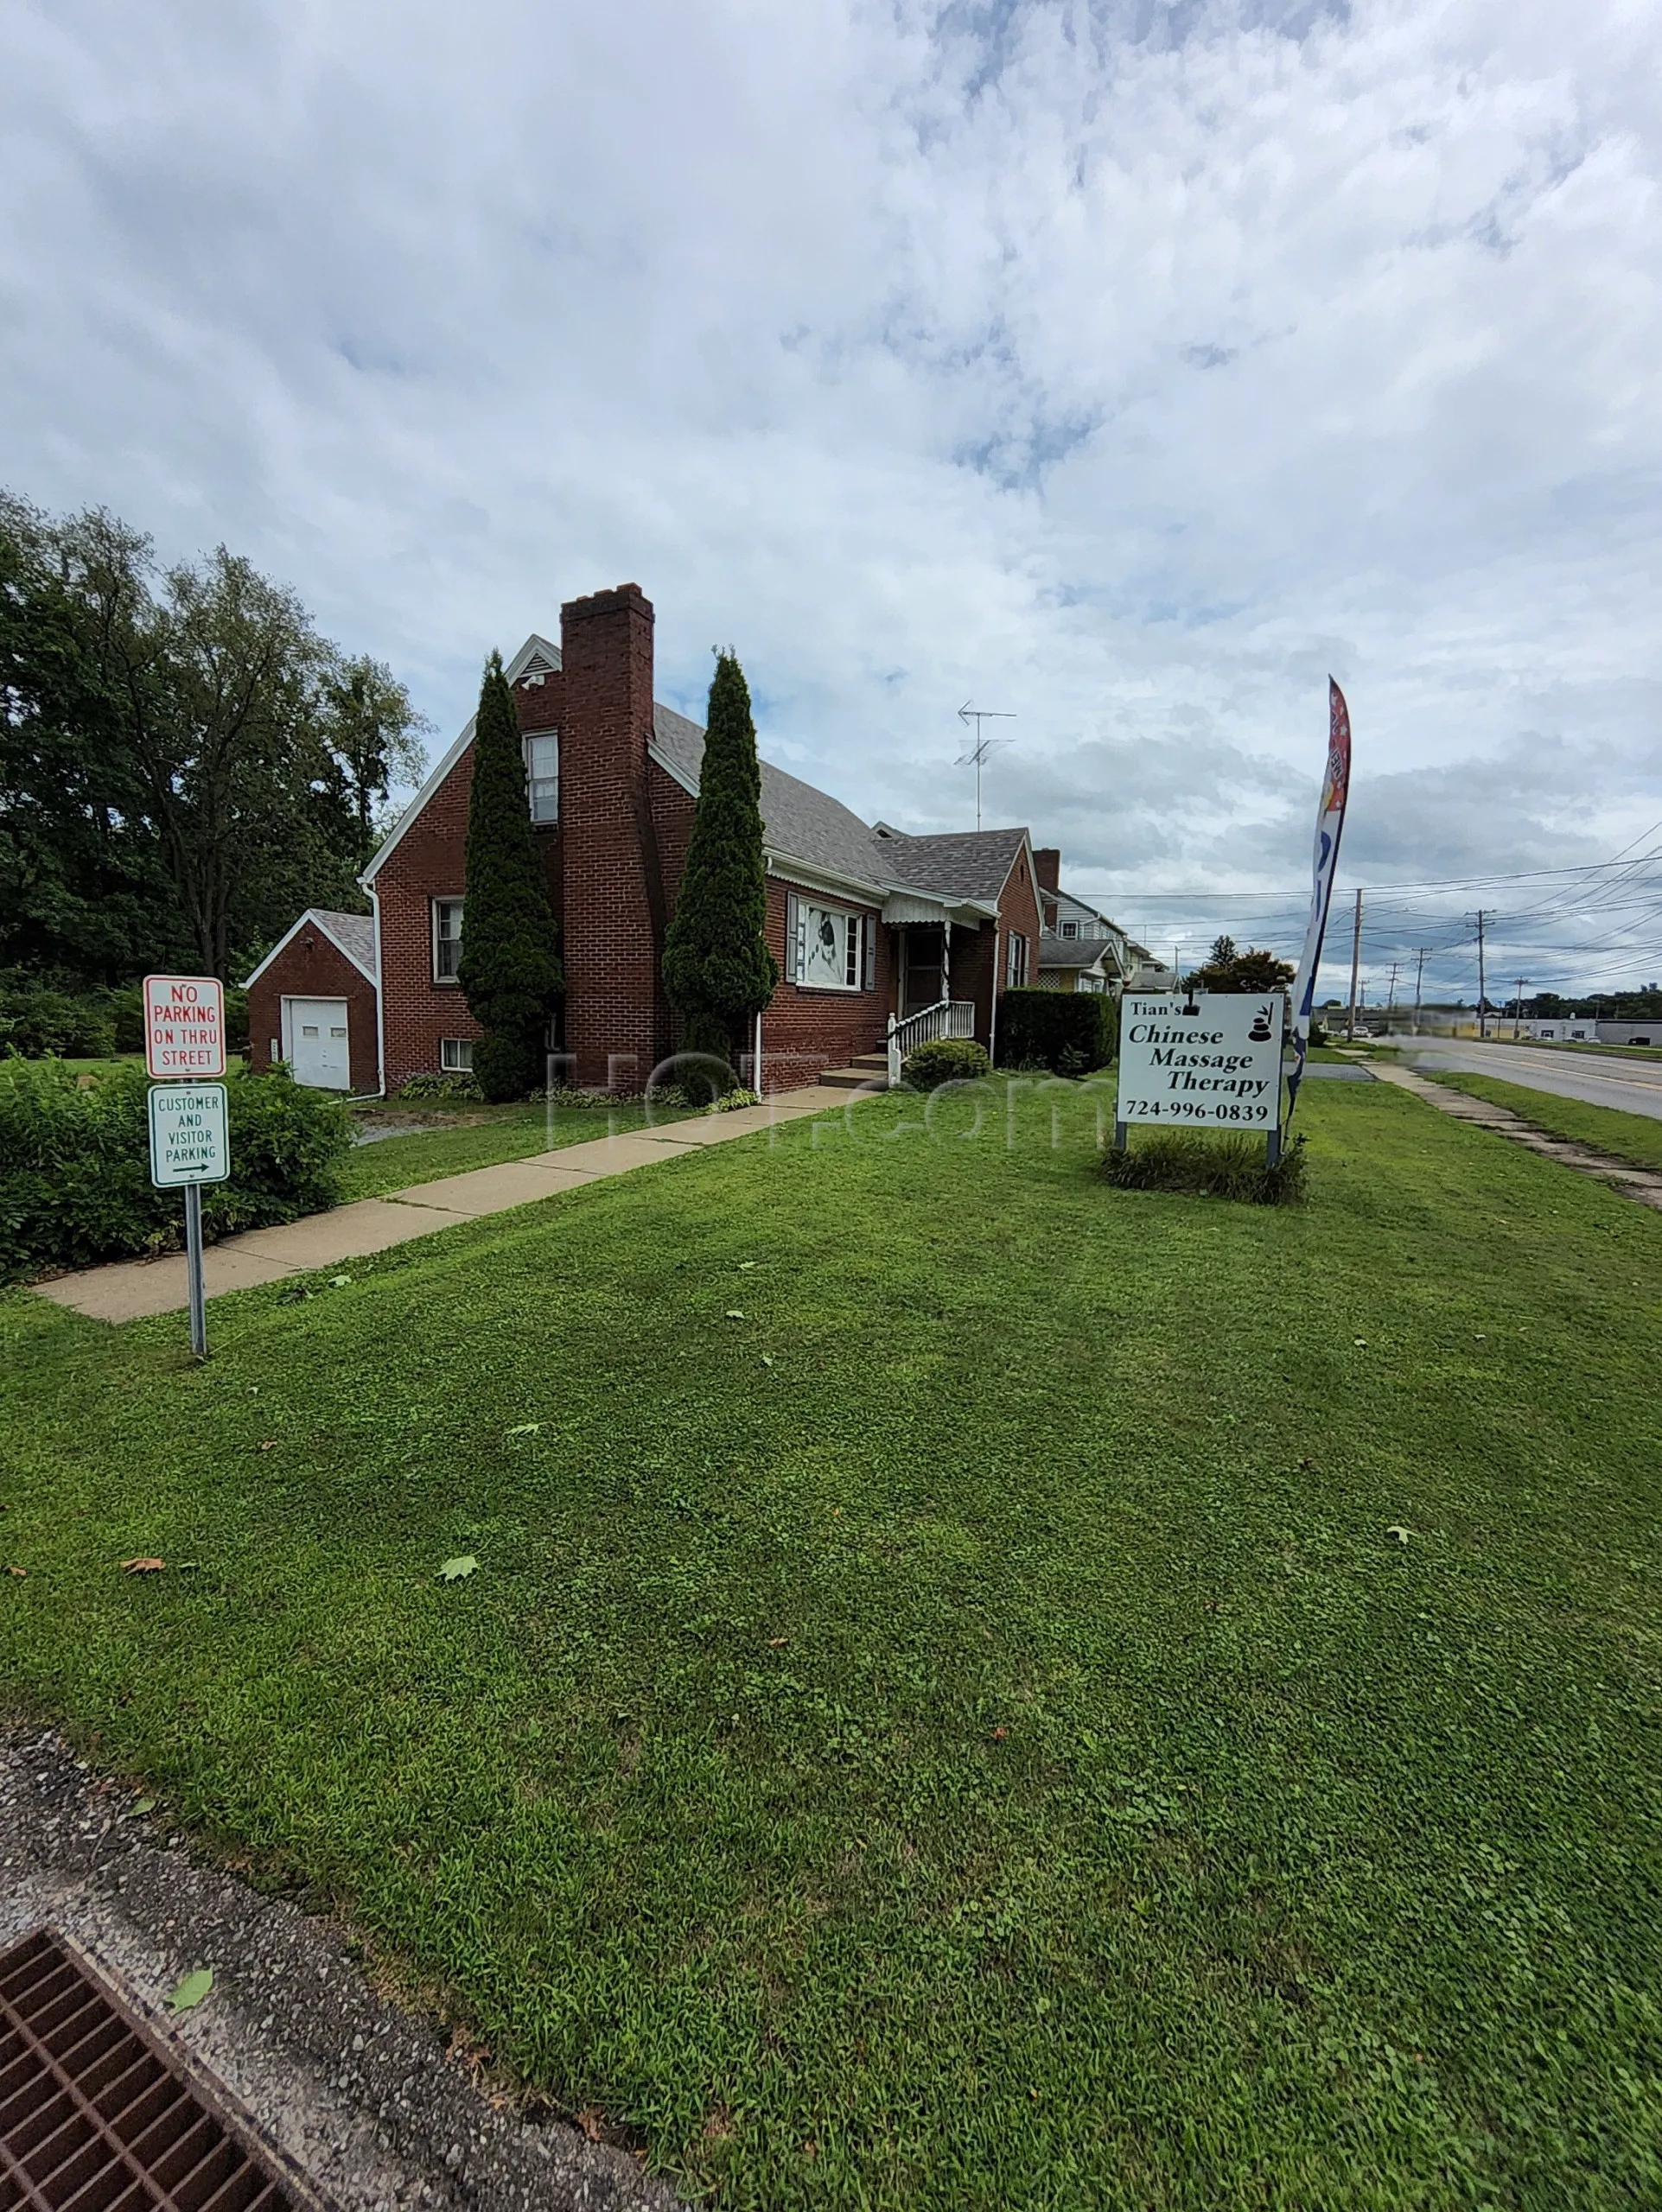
x,y
1081,948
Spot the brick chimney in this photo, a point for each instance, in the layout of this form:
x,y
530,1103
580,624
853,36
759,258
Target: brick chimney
x,y
615,1020
1047,867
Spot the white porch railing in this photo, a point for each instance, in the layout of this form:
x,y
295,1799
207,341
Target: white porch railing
x,y
946,1017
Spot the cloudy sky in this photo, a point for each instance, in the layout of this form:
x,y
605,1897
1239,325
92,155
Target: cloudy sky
x,y
1127,365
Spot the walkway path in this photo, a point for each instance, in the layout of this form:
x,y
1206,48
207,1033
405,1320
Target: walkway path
x,y
1640,1183
129,1290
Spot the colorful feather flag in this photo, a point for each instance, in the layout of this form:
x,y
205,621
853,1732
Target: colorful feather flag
x,y
1329,823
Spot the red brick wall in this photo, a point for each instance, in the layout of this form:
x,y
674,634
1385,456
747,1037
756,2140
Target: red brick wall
x,y
972,973
417,1011
420,1012
1018,909
802,1032
616,1021
805,1031
313,967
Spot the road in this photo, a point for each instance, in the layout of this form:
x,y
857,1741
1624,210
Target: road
x,y
1634,1086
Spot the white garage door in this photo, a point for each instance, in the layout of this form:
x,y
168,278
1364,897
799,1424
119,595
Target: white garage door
x,y
316,1043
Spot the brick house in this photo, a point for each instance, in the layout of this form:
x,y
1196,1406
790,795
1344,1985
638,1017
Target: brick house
x,y
866,923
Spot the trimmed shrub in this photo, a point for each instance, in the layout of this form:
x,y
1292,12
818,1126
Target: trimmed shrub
x,y
1069,1033
75,1165
441,1090
734,1102
1208,1166
945,1059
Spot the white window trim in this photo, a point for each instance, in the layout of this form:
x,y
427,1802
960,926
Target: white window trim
x,y
452,899
459,1046
541,821
863,945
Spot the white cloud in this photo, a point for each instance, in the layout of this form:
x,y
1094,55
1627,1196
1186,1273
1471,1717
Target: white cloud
x,y
1128,367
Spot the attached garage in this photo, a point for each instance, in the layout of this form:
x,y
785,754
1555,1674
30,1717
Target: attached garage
x,y
312,1004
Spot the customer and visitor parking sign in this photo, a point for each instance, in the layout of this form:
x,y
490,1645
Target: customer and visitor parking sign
x,y
189,1142
1212,1057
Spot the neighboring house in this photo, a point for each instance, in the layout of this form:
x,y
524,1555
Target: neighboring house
x,y
1081,948
1080,964
312,1001
866,923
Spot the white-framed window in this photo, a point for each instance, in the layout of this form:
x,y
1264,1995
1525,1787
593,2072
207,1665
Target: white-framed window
x,y
829,948
447,938
455,1055
1016,961
1070,928
543,775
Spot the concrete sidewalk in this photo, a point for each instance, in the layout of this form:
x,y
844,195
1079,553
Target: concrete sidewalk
x,y
131,1290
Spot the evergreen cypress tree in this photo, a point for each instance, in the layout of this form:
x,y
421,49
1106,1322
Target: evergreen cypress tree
x,y
509,971
718,973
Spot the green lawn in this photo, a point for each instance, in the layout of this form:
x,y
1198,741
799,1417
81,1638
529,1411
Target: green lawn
x,y
979,1690
1633,1137
454,1140
1608,1052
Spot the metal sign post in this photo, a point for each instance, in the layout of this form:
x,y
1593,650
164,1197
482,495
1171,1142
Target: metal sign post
x,y
193,1269
189,1146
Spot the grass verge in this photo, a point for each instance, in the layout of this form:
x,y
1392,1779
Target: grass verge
x,y
1633,1137
979,1689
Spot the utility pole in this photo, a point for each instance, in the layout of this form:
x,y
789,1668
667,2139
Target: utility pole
x,y
1518,1010
1419,979
1390,1000
1482,990
1355,964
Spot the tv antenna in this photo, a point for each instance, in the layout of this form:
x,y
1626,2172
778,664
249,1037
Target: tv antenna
x,y
984,748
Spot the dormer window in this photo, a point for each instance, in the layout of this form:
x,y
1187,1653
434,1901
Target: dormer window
x,y
543,775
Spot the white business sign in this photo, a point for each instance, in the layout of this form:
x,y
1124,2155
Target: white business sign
x,y
189,1141
1213,1057
184,1027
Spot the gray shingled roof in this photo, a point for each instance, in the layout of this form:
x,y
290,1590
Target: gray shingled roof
x,y
353,933
809,825
1076,951
969,866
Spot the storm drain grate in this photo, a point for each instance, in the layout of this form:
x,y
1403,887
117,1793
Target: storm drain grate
x,y
94,2114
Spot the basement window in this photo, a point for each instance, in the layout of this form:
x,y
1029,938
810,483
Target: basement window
x,y
455,1055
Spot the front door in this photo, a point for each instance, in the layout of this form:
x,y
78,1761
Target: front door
x,y
318,1045
922,974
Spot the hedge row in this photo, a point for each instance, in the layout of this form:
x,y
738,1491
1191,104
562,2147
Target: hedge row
x,y
75,1165
1070,1032
39,1021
